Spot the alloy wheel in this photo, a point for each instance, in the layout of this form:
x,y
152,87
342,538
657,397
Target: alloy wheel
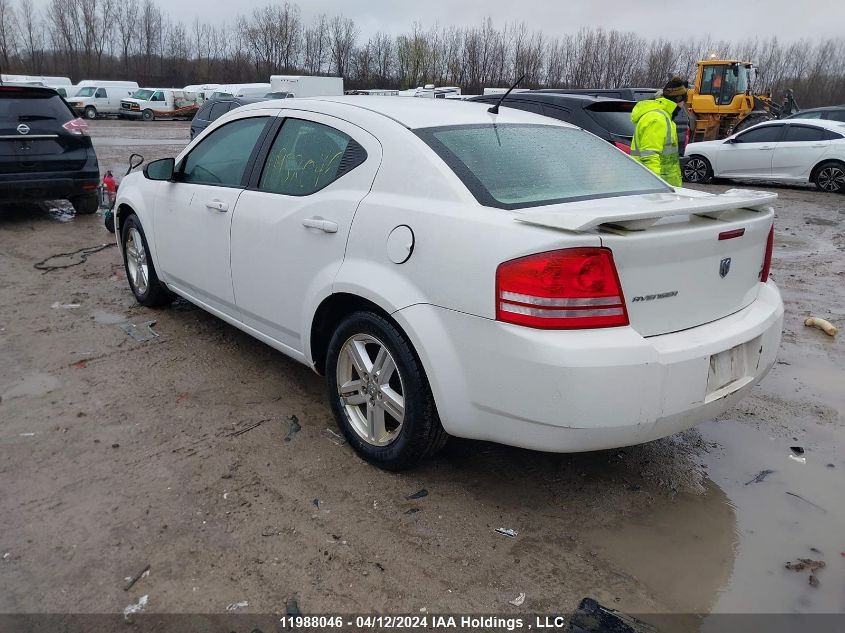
x,y
136,261
695,170
370,389
831,179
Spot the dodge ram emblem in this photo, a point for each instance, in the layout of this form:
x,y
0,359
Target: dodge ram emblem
x,y
725,267
23,128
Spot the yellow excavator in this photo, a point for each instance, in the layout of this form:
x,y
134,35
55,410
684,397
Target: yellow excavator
x,y
721,100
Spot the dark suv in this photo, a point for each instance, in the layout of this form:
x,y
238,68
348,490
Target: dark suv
x,y
213,109
609,119
45,151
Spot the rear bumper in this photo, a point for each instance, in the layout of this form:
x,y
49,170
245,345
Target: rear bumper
x,y
48,185
569,391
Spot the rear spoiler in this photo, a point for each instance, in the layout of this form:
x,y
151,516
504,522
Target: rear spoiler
x,y
637,213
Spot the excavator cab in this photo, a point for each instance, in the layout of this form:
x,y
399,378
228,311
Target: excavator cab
x,y
724,82
722,101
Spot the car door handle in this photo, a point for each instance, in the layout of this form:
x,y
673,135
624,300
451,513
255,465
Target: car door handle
x,y
767,147
219,205
327,226
821,145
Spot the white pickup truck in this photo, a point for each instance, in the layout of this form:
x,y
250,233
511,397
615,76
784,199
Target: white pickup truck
x,y
160,103
100,98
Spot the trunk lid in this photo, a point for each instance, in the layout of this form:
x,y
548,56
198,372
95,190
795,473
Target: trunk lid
x,y
684,258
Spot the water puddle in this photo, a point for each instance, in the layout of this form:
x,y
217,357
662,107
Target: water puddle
x,y
107,318
725,551
32,385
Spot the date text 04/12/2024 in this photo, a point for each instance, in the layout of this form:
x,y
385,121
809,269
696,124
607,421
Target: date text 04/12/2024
x,y
429,622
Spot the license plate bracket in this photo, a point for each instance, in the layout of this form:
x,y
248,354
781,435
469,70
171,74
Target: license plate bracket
x,y
732,369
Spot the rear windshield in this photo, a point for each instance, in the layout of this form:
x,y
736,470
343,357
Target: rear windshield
x,y
614,117
26,105
512,166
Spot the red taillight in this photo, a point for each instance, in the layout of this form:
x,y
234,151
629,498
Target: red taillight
x,y
77,126
566,289
767,258
622,146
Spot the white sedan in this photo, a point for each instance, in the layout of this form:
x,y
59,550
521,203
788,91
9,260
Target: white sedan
x,y
789,151
453,271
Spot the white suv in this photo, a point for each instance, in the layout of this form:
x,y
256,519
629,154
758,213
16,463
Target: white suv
x,y
455,271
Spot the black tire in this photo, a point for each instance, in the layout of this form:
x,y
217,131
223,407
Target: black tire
x,y
421,434
85,205
830,177
155,294
90,112
148,115
108,221
698,169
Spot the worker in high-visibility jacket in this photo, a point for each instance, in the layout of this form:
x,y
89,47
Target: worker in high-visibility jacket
x,y
655,143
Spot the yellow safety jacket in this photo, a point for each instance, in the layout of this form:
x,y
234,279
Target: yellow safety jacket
x,y
655,143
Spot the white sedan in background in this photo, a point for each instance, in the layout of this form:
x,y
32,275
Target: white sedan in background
x,y
455,271
788,151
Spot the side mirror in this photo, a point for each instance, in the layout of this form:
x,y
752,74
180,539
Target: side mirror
x,y
730,140
161,169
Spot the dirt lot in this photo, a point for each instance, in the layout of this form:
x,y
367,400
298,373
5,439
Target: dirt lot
x,y
176,453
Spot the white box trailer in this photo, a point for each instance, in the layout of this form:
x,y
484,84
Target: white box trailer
x,y
240,90
96,98
306,86
204,90
42,80
62,85
160,103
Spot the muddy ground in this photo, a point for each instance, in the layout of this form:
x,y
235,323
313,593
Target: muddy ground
x,y
177,453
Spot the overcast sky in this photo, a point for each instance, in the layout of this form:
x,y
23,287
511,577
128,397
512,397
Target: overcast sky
x,y
723,19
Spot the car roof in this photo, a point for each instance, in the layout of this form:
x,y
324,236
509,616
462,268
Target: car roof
x,y
30,87
820,109
240,100
554,97
836,126
411,112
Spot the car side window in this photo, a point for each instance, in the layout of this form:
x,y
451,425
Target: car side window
x,y
203,113
809,115
308,156
101,93
836,115
218,110
796,133
158,96
766,134
222,156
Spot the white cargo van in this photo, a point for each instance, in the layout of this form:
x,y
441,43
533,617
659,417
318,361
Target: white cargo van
x,y
100,98
306,86
160,103
240,90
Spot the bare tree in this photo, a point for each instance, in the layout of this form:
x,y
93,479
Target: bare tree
x,y
138,40
342,36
